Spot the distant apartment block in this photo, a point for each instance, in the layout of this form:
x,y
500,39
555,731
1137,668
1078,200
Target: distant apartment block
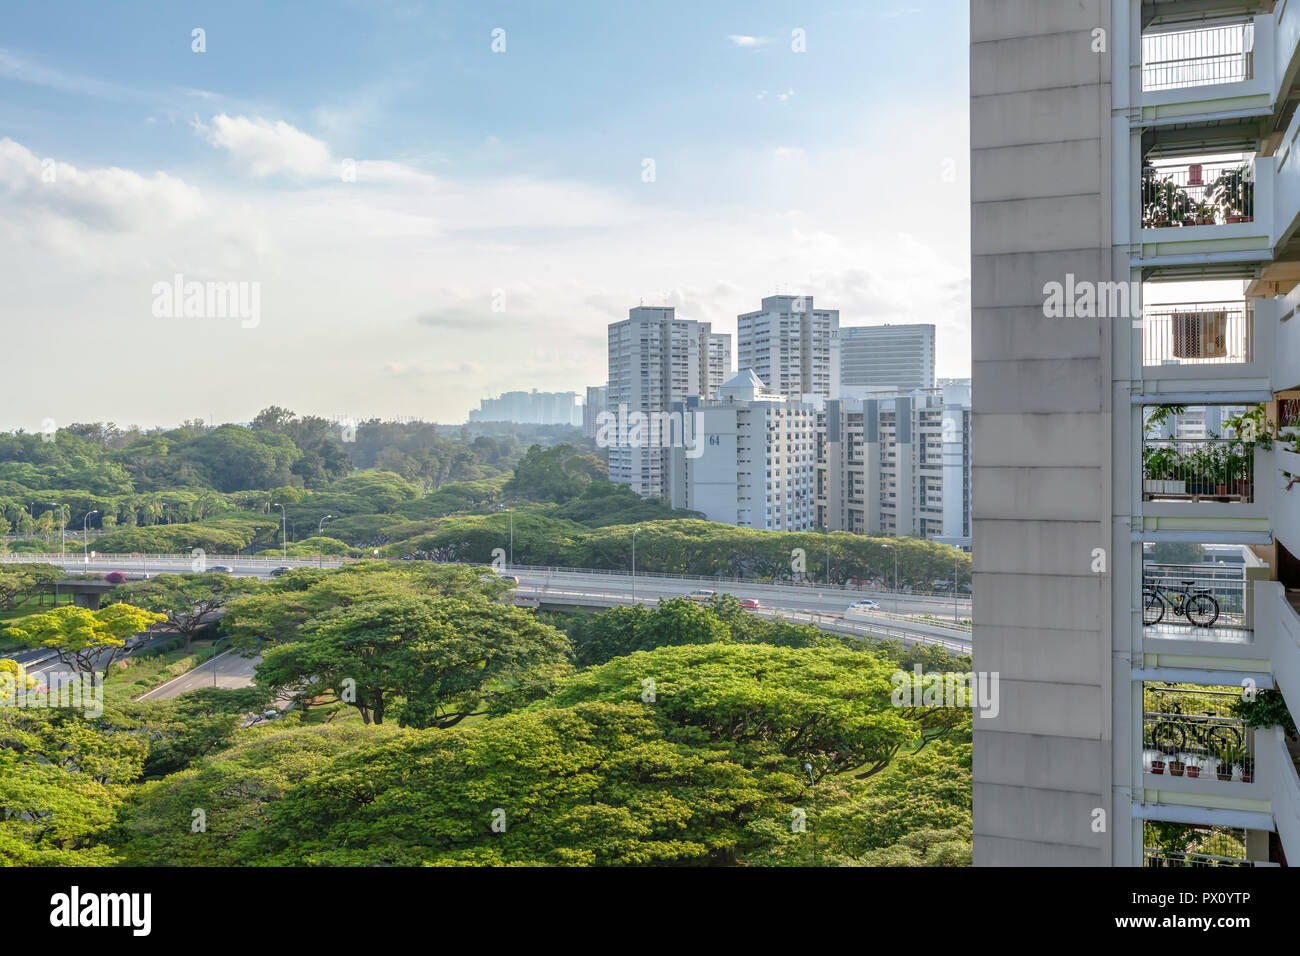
x,y
897,464
751,460
886,356
591,409
655,361
787,344
530,408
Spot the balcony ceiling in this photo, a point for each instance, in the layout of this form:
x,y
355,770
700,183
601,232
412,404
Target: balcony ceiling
x,y
1234,135
1179,11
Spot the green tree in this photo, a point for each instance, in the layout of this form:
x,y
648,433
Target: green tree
x,y
87,641
189,601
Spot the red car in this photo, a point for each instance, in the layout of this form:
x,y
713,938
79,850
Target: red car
x,y
749,602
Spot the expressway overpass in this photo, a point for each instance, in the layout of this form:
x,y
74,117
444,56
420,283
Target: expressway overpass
x,y
926,619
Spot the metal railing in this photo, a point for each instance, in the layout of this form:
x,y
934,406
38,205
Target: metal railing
x,y
1198,194
1199,56
1198,333
1170,858
1190,733
1193,469
1226,584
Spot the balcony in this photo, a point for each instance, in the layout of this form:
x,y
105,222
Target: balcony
x,y
1197,334
1191,734
1199,56
1220,470
1168,858
1188,194
1166,617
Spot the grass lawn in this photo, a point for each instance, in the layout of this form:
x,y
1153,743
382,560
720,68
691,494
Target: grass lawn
x,y
143,674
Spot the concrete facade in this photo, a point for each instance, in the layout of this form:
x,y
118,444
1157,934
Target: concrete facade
x,y
1040,208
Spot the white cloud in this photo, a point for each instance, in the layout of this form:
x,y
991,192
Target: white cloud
x,y
740,40
265,147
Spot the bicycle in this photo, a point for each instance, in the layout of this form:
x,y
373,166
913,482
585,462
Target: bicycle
x,y
1195,604
1171,735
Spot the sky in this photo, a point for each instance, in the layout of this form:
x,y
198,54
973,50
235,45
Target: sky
x,y
425,220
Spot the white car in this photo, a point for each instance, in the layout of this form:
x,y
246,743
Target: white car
x,y
701,594
862,608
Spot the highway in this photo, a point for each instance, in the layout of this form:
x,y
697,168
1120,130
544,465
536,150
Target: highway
x,y
913,618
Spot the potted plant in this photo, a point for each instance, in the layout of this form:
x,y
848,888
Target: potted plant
x,y
1226,755
1193,768
1163,203
1158,764
1177,766
1234,193
1247,768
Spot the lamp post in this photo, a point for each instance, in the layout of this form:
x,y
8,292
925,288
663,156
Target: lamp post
x,y
63,534
85,536
511,515
955,562
890,547
320,550
634,531
284,542
827,529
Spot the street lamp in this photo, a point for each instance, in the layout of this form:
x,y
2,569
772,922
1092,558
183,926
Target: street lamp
x,y
827,529
511,515
320,550
955,564
85,536
284,542
634,531
890,547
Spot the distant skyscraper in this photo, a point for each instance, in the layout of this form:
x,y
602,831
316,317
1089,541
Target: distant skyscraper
x,y
787,344
655,361
595,404
886,356
530,408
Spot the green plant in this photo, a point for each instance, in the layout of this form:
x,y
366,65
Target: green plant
x,y
1227,755
1234,191
1165,201
1268,709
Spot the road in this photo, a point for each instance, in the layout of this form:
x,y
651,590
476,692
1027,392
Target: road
x,y
228,669
925,619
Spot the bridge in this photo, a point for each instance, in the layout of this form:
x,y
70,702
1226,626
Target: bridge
x,y
907,616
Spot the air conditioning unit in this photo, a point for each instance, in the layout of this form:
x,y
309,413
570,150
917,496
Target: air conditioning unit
x,y
1200,334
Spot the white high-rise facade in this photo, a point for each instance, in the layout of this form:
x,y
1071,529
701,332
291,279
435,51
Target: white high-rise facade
x,y
787,344
886,356
655,361
1125,155
752,460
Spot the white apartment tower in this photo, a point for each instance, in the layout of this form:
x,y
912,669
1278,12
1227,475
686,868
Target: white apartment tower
x,y
886,356
753,460
787,344
1131,152
655,361
896,464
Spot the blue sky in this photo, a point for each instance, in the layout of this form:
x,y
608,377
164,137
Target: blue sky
x,y
511,179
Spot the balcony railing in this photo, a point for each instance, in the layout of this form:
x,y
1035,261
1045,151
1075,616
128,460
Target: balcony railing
x,y
1198,333
1227,585
1198,194
1197,469
1168,858
1201,56
1191,734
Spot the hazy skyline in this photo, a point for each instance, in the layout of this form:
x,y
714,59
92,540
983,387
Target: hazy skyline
x,y
481,178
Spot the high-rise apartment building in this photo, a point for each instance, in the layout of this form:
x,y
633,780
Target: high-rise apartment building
x,y
1123,154
530,408
896,464
886,356
752,458
655,361
787,344
592,409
